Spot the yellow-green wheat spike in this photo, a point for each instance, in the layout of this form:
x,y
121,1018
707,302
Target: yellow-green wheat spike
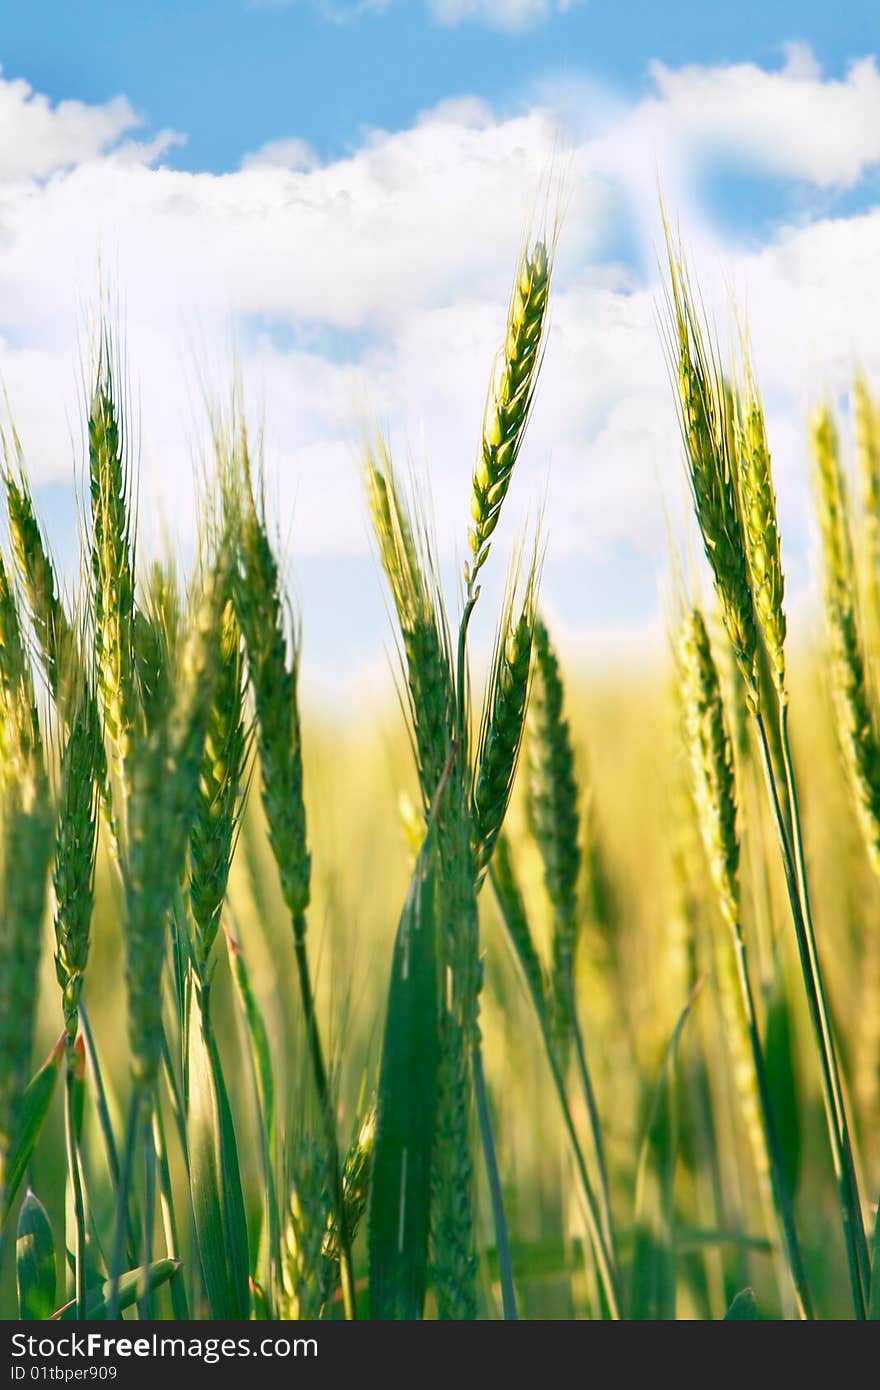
x,y
502,725
156,636
704,409
25,847
74,869
303,1263
554,815
54,634
866,420
221,784
453,1257
510,398
856,726
424,636
112,559
760,527
163,774
273,668
20,737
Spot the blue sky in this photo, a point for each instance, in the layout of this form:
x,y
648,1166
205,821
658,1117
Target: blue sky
x,y
233,74
342,189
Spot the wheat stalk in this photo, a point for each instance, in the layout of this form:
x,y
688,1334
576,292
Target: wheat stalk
x,y
704,407
714,790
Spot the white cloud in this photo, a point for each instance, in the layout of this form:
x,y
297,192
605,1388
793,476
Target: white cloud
x,y
499,14
294,154
39,138
792,122
378,282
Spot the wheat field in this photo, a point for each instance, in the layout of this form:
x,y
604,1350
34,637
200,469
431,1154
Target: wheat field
x,y
547,993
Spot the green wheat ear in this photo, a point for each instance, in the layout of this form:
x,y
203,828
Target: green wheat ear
x,y
503,721
272,645
25,848
509,402
163,786
406,556
760,524
866,419
52,627
221,785
20,736
75,845
705,416
711,752
112,557
856,726
553,797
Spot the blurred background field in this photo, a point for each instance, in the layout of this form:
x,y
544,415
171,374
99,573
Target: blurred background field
x,y
652,914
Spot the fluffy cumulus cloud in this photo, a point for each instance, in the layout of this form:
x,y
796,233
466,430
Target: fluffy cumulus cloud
x,y
792,122
374,287
39,138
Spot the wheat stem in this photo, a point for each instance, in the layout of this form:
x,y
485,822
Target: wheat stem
x,y
484,1120
854,1228
325,1102
179,1302
848,1217
604,1186
605,1259
139,1097
145,1295
75,1178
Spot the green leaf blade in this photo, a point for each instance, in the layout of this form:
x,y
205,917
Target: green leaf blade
x,y
654,1252
130,1289
743,1308
203,1126
35,1267
400,1199
35,1105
